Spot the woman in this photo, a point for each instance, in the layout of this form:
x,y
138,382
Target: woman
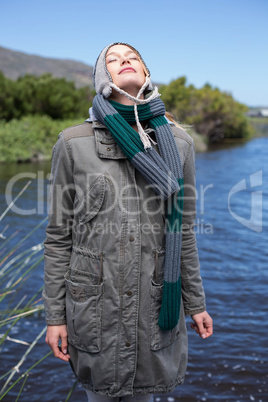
x,y
121,263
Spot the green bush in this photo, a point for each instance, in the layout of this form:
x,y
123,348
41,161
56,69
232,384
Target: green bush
x,y
30,138
214,114
7,93
31,95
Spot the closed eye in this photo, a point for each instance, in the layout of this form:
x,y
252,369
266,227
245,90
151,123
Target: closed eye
x,y
111,60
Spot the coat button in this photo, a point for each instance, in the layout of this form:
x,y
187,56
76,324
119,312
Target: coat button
x,y
131,238
129,293
108,149
127,344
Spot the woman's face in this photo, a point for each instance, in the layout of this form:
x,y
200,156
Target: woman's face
x,y
126,69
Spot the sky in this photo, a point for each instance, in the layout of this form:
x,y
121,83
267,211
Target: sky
x,y
221,42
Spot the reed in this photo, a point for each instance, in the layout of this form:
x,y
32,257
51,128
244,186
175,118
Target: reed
x,y
20,258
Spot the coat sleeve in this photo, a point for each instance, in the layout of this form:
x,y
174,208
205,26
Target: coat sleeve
x,y
58,242
192,289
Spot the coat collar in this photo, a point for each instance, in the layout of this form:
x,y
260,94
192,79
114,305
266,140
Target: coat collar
x,y
106,146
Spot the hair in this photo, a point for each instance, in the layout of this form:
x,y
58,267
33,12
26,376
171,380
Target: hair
x,y
172,118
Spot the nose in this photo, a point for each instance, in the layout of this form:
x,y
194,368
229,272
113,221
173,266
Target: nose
x,y
124,60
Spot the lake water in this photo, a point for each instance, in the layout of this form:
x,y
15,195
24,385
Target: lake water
x,y
232,239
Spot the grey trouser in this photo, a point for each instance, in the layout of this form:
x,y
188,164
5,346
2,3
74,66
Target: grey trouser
x,y
103,398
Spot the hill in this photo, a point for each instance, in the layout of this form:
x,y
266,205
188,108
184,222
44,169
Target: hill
x,y
14,64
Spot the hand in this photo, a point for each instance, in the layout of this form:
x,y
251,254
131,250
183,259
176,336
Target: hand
x,y
202,324
54,334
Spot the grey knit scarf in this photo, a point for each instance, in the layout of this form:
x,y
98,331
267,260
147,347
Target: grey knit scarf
x,y
164,172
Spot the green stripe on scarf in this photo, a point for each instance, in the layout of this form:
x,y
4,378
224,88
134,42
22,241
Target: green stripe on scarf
x,y
129,143
127,112
158,122
170,306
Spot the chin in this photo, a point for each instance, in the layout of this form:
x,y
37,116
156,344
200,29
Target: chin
x,y
130,84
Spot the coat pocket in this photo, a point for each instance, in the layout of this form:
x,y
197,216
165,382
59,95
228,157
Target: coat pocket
x,y
84,310
159,338
95,205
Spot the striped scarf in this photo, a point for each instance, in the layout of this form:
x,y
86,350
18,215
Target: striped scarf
x,y
164,172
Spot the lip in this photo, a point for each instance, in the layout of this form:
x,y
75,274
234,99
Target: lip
x,y
127,69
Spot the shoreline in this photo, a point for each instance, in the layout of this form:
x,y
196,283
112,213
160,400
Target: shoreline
x,y
31,139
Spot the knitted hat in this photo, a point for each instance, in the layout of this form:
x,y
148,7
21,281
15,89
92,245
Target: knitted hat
x,y
103,82
104,85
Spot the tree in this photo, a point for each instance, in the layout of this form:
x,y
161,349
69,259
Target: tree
x,y
44,95
7,106
213,113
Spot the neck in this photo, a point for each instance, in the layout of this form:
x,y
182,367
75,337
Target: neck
x,y
117,97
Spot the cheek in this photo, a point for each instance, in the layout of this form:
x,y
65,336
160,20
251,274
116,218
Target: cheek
x,y
141,71
142,75
110,69
113,69
114,77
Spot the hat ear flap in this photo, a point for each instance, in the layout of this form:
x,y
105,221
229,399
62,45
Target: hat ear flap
x,y
101,76
150,86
